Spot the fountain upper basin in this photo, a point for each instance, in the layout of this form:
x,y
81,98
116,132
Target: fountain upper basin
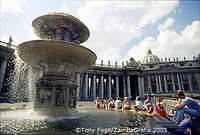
x,y
60,26
39,53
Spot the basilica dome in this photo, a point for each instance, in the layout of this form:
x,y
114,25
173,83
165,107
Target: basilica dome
x,y
150,58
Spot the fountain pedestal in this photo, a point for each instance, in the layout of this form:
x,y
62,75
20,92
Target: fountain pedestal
x,y
55,95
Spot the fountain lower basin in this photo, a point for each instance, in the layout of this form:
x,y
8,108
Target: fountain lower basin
x,y
59,61
58,55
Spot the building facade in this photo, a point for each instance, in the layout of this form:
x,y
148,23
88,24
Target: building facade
x,y
6,68
154,76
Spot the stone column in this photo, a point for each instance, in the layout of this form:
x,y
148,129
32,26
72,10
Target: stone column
x,y
197,78
53,97
102,87
128,86
181,78
94,86
157,85
109,86
117,86
149,84
124,86
179,83
189,81
142,86
160,83
165,81
173,84
2,72
78,87
139,86
86,86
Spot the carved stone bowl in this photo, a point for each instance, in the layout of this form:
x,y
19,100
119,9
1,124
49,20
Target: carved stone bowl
x,y
56,56
60,26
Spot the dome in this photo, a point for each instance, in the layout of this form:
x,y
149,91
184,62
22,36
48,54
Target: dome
x,y
150,58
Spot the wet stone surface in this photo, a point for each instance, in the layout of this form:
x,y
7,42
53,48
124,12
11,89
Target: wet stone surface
x,y
87,121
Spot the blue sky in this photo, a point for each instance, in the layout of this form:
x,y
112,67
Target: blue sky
x,y
186,13
119,30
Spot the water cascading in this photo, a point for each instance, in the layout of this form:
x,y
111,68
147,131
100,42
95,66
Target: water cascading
x,y
59,55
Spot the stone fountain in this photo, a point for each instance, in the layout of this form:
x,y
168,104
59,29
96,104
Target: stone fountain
x,y
59,55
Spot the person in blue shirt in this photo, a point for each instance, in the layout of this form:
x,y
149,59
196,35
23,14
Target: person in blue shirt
x,y
188,106
148,105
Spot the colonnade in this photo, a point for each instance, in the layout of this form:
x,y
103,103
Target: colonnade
x,y
162,82
91,86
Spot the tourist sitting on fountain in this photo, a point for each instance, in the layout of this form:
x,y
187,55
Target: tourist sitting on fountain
x,y
148,105
138,104
111,103
188,106
106,101
126,104
102,104
160,108
185,125
97,102
118,103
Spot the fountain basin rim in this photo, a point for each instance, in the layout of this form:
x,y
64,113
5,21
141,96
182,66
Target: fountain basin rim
x,y
36,51
50,40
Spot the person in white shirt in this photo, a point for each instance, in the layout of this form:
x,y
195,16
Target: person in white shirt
x,y
111,103
126,104
97,102
138,104
118,103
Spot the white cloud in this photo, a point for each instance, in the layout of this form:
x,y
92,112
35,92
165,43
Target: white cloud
x,y
170,43
113,24
12,6
4,39
140,50
64,9
167,24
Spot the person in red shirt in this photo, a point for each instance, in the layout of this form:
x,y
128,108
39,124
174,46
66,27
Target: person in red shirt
x,y
160,108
